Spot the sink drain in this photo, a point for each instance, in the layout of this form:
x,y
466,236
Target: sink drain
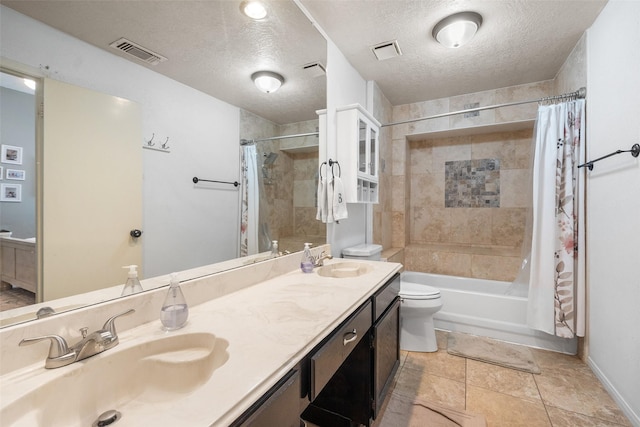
x,y
107,418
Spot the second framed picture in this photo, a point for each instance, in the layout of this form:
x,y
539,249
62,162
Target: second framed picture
x,y
15,174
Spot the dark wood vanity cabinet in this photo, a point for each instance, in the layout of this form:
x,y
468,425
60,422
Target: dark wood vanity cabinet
x,y
344,380
386,353
356,391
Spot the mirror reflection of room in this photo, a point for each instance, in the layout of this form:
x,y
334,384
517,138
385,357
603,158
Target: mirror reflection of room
x,y
17,177
184,225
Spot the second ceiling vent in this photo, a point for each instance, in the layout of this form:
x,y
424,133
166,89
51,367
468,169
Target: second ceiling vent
x,y
141,53
386,50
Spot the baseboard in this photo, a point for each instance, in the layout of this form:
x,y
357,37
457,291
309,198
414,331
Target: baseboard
x,y
633,417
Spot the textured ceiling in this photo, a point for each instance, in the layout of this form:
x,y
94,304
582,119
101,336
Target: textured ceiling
x,y
215,49
210,46
520,41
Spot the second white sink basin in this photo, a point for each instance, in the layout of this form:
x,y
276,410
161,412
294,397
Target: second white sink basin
x,y
344,269
159,371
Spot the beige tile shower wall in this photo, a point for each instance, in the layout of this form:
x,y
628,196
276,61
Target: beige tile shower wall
x,y
382,211
305,172
471,242
573,74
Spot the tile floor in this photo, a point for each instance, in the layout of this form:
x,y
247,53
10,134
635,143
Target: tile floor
x,y
15,297
565,394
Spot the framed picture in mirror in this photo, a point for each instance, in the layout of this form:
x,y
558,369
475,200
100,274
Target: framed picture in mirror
x,y
15,174
11,154
10,193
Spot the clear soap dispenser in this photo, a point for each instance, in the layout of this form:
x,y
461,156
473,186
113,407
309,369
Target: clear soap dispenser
x,y
133,285
306,264
174,311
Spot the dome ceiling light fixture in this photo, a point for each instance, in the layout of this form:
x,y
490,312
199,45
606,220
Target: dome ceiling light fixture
x,y
253,9
267,81
457,29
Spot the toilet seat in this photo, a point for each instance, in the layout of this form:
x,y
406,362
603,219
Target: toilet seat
x,y
415,291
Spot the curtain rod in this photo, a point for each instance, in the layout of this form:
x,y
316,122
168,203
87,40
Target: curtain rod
x,y
579,94
252,141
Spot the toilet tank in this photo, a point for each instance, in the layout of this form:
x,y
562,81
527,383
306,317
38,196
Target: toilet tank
x,y
363,251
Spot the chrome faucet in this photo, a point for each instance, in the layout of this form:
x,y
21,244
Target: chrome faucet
x,y
319,261
60,354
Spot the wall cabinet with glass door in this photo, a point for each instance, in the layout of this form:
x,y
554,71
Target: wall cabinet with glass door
x,y
358,153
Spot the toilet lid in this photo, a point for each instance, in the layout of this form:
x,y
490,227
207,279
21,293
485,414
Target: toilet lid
x,y
416,291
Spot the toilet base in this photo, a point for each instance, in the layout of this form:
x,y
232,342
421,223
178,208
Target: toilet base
x,y
418,334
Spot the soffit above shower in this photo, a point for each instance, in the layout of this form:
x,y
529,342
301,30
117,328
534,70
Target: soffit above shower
x,y
474,130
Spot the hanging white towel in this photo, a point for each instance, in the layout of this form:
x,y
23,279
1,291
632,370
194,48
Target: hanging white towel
x,y
338,202
329,200
321,214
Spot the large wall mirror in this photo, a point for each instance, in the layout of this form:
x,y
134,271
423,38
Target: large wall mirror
x,y
192,110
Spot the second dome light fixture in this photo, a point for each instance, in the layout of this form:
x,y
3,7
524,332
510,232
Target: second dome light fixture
x,y
267,81
457,29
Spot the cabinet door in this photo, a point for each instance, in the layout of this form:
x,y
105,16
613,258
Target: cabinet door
x,y
386,357
278,407
362,146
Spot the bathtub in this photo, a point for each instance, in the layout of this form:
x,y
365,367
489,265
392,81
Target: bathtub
x,y
481,307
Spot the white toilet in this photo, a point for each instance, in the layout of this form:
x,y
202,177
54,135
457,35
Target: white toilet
x,y
419,304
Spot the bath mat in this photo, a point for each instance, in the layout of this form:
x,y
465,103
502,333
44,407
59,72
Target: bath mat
x,y
415,412
492,351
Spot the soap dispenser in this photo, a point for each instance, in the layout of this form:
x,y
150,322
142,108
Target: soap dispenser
x,y
274,249
133,285
306,264
174,311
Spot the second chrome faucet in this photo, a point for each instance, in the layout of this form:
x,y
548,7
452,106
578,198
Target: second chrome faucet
x,y
61,354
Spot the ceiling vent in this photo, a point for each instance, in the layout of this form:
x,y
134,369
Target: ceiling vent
x,y
137,51
386,50
314,69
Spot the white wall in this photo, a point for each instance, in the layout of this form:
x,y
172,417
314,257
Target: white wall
x,y
344,86
184,226
613,197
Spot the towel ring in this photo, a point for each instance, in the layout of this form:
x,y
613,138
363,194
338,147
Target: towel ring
x,y
335,162
320,171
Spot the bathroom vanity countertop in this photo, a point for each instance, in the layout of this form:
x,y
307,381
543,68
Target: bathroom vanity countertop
x,y
269,328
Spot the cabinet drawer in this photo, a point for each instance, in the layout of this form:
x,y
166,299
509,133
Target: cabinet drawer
x,y
385,296
326,361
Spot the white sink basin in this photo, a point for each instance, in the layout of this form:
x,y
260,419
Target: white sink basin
x,y
153,372
344,269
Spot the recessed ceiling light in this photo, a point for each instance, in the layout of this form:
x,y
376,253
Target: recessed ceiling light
x,y
267,81
457,29
253,9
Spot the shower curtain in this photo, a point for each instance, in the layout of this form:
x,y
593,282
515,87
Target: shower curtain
x,y
557,262
250,206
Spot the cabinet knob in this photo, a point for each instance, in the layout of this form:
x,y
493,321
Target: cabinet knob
x,y
135,233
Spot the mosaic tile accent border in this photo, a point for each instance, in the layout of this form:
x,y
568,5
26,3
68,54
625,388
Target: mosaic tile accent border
x,y
472,183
